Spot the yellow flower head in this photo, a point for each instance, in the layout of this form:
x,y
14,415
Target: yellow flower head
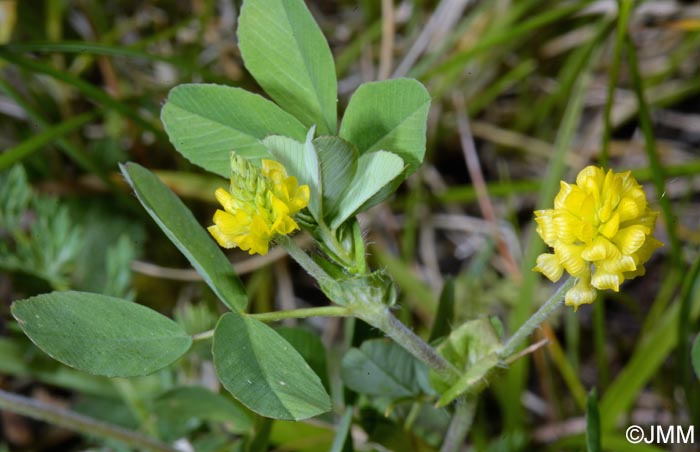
x,y
258,207
600,230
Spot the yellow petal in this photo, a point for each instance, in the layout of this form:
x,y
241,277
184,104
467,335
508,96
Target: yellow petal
x,y
274,170
225,199
607,184
546,227
258,238
627,209
567,226
284,225
593,173
620,265
581,293
574,200
549,266
300,199
231,224
610,228
640,271
570,258
645,251
606,280
289,186
600,249
585,232
226,241
564,190
279,208
587,209
592,184
648,219
631,238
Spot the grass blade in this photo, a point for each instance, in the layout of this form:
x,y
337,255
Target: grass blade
x,y
36,142
657,171
84,87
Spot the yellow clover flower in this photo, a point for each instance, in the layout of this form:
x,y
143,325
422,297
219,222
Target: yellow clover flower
x,y
258,207
600,230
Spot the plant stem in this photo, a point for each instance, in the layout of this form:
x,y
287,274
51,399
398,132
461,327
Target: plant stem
x,y
372,311
536,320
203,336
306,262
323,311
380,317
460,424
77,422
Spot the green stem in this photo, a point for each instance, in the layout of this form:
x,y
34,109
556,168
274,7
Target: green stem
x,y
460,424
536,320
306,262
376,313
77,422
379,316
203,336
274,316
323,311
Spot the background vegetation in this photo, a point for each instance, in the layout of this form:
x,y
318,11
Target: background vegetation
x,y
525,93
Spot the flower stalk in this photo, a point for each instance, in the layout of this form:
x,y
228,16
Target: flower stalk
x,y
534,322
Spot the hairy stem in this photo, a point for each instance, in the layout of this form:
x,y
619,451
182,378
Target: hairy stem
x,y
460,424
306,262
77,422
534,322
376,313
323,311
379,316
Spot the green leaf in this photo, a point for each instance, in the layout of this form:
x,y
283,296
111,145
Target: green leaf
x,y
179,407
99,334
374,171
383,368
389,115
473,381
472,349
310,348
264,372
300,160
205,122
181,227
695,355
285,51
338,160
593,442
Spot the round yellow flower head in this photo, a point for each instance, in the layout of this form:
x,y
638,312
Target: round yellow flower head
x,y
600,230
258,207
